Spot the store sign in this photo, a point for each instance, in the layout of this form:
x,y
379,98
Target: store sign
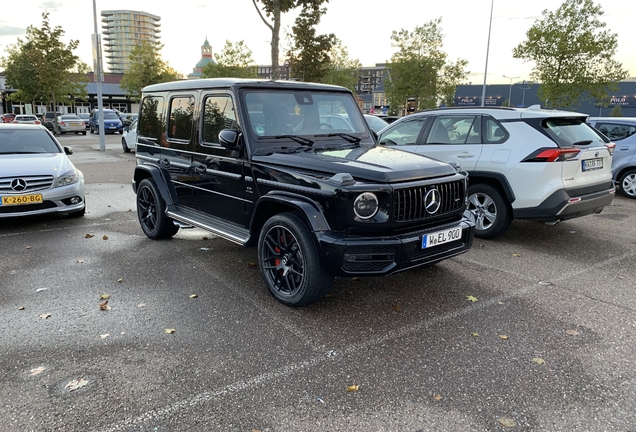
x,y
623,101
476,101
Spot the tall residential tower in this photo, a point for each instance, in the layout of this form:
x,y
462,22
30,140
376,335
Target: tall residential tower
x,y
123,31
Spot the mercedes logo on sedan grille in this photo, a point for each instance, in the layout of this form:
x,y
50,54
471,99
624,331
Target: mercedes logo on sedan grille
x,y
432,201
18,185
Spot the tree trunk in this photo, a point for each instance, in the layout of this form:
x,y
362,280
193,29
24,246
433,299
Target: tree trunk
x,y
275,40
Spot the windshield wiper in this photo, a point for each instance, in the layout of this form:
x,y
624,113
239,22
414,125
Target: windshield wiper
x,y
272,150
352,139
582,143
297,138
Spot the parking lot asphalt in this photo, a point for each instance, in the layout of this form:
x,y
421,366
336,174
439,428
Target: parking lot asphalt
x,y
535,330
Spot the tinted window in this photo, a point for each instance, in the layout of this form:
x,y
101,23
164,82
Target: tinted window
x,y
455,130
218,114
566,132
615,131
404,133
151,119
26,141
180,121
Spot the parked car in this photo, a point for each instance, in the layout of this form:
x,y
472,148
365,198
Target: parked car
x,y
86,118
70,123
375,123
26,119
387,118
8,117
49,119
127,119
36,175
622,132
252,162
129,137
523,163
112,122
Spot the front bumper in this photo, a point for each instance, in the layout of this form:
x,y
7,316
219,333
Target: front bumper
x,y
58,200
562,206
381,256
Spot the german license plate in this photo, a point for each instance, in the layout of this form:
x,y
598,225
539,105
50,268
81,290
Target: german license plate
x,y
592,164
22,199
441,237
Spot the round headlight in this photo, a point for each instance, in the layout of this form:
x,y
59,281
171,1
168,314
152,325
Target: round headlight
x,y
366,205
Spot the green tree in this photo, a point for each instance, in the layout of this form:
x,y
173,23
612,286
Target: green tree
x,y
146,68
573,55
43,68
234,61
342,70
308,57
617,111
273,9
420,69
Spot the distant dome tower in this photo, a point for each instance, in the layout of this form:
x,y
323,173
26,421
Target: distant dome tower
x,y
206,57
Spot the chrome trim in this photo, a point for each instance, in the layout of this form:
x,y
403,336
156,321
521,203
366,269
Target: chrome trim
x,y
224,174
148,158
238,240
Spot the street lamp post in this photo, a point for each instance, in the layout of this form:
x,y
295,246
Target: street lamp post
x,y
510,91
523,97
483,90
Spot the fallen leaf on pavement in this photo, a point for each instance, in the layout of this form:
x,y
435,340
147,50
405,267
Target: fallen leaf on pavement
x,y
437,397
396,307
538,360
104,336
28,247
474,334
104,305
120,280
104,296
37,370
104,237
21,308
141,305
471,298
75,384
504,337
193,296
80,261
516,255
353,388
252,264
45,316
89,236
572,332
506,422
170,331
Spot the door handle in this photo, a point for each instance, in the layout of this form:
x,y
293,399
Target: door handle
x,y
465,156
200,169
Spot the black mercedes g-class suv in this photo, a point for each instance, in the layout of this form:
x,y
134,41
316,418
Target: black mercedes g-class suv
x,y
293,169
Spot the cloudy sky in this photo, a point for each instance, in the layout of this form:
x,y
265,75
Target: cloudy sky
x,y
364,27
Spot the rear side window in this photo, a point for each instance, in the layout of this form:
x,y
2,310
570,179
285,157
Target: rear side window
x,y
615,131
567,132
218,114
151,120
180,121
455,129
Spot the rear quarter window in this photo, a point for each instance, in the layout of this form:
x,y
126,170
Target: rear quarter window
x,y
151,123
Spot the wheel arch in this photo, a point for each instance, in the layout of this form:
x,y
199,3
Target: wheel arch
x,y
277,202
143,172
495,180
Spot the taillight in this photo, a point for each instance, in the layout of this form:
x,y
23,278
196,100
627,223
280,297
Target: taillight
x,y
62,124
556,155
83,124
37,122
610,147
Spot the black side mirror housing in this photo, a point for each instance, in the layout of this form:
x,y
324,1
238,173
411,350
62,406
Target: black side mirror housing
x,y
228,138
68,150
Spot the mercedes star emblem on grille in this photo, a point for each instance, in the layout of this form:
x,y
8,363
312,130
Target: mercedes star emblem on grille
x,y
18,185
432,201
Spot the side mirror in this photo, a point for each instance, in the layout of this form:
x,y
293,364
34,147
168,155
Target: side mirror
x,y
228,138
68,150
126,128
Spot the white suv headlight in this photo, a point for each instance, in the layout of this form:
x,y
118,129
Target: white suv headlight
x,y
67,178
366,205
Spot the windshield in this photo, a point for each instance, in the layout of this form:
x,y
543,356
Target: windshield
x,y
109,115
303,113
25,141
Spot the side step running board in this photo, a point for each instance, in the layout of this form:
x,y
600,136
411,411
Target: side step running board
x,y
227,230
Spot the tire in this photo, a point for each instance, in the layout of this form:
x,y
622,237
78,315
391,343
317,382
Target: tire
x,y
91,129
627,183
151,211
124,145
84,133
492,212
290,263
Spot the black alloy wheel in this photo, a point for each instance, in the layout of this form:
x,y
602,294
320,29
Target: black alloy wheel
x,y
290,263
151,211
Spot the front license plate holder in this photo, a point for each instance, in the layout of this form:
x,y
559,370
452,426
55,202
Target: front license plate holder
x,y
11,200
440,237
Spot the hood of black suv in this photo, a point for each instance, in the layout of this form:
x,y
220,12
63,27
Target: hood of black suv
x,y
377,163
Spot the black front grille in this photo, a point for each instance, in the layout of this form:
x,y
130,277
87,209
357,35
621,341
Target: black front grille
x,y
409,204
27,207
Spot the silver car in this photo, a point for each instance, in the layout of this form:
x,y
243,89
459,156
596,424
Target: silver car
x,y
26,119
36,175
70,123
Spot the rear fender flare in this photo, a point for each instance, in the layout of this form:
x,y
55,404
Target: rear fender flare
x,y
148,171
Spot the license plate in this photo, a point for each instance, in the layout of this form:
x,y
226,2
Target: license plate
x,y
22,199
441,237
75,124
112,127
592,164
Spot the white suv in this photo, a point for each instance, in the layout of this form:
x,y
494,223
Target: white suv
x,y
524,163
